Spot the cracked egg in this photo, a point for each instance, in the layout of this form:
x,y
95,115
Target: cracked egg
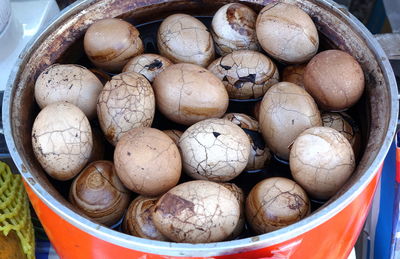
x,y
62,140
275,203
321,161
239,194
214,149
197,212
148,65
246,74
98,193
233,27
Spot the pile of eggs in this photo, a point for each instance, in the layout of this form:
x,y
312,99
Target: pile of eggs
x,y
183,179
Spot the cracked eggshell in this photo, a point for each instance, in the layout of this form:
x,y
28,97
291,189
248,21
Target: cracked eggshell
x,y
98,193
110,43
242,120
275,203
343,123
147,161
126,102
175,135
233,27
246,74
138,220
287,33
294,74
62,140
321,161
335,80
69,83
286,111
148,65
187,93
239,194
183,38
215,150
197,212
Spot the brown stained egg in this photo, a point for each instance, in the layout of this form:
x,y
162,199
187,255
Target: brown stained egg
x,y
343,123
321,161
286,111
147,161
126,102
233,28
335,80
148,65
138,220
246,74
110,43
69,83
62,140
197,212
98,193
259,155
187,93
215,150
239,194
294,74
183,38
287,33
175,135
275,203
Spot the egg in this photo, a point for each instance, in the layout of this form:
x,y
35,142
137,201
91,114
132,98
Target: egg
x,y
138,220
187,93
98,193
233,27
127,101
147,161
215,150
183,38
321,161
62,140
148,65
294,74
69,83
110,43
197,212
246,74
239,195
242,120
287,33
335,80
275,203
286,111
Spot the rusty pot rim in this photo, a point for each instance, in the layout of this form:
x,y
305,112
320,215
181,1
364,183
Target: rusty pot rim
x,y
218,248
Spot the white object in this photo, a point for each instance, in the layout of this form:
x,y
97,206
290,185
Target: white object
x,y
25,19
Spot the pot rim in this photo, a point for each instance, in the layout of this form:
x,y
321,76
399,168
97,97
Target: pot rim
x,y
217,248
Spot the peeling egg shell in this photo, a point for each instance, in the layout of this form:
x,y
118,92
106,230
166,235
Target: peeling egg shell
x,y
127,101
110,43
175,135
239,194
287,33
215,150
294,74
335,80
148,65
343,123
147,161
98,193
138,220
260,155
187,93
242,120
183,38
68,83
197,212
246,74
233,27
275,203
321,161
286,111
62,140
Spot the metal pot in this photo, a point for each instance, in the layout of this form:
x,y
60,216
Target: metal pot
x,y
330,232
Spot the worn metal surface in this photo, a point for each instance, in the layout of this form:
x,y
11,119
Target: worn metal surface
x,y
379,108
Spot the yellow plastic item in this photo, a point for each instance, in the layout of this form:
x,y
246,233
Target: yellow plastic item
x,y
14,209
